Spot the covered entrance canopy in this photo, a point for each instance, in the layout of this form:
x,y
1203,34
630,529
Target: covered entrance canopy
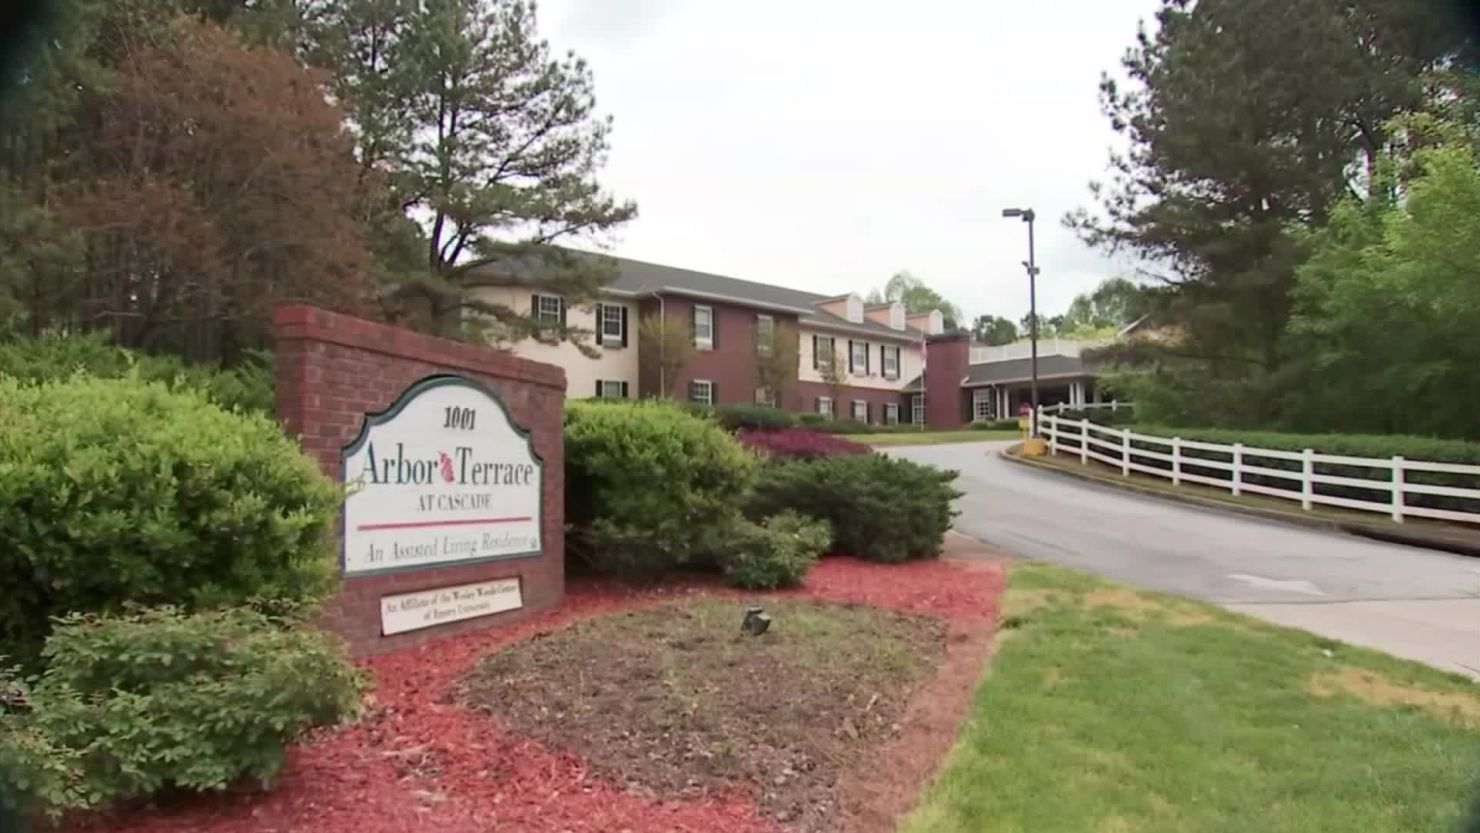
x,y
999,389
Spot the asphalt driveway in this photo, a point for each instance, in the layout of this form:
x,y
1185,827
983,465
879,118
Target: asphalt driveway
x,y
1415,603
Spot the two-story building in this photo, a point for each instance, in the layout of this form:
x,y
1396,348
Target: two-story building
x,y
879,351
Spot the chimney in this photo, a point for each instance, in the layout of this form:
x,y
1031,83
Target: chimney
x,y
946,359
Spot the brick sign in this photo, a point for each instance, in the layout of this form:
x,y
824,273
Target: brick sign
x,y
443,476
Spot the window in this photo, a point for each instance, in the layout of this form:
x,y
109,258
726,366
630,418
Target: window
x,y
613,324
701,392
765,333
823,352
549,309
891,413
704,327
891,362
860,410
917,409
858,358
765,396
824,406
610,389
981,405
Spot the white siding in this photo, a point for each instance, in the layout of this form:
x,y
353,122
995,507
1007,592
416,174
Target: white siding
x,y
615,364
909,360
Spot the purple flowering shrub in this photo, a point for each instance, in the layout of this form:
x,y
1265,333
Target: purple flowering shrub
x,y
798,443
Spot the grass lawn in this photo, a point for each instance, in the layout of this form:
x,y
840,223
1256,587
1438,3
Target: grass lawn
x,y
1107,709
932,437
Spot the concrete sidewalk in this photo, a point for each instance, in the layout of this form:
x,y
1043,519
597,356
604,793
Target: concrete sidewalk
x,y
1440,632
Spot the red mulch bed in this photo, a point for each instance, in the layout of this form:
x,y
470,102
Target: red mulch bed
x,y
418,761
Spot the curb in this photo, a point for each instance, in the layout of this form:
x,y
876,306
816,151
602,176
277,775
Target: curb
x,y
1379,533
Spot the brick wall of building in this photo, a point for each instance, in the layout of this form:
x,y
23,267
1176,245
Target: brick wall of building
x,y
947,360
333,369
802,397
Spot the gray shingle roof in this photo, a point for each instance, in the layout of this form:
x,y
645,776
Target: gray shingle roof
x,y
638,277
1020,370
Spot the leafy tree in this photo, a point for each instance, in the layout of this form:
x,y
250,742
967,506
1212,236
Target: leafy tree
x,y
1114,304
1048,325
990,329
667,348
834,372
486,138
916,297
220,182
1388,306
776,360
1243,118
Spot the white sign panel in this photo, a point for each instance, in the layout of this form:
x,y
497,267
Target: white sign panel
x,y
441,477
424,608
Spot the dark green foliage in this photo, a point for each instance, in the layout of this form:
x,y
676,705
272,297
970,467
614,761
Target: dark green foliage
x,y
777,552
994,330
881,508
1243,120
995,425
853,426
649,486
116,490
59,355
811,420
735,417
132,705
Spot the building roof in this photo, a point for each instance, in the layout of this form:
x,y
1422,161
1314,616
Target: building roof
x,y
638,277
1021,370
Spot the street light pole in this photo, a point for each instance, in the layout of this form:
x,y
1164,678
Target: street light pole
x,y
1032,266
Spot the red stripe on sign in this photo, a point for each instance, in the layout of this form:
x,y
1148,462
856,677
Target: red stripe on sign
x,y
423,524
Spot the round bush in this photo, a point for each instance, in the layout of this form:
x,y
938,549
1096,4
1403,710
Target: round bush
x,y
649,486
116,490
775,553
880,508
737,417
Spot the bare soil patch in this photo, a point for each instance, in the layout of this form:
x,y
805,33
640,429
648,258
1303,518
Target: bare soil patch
x,y
675,701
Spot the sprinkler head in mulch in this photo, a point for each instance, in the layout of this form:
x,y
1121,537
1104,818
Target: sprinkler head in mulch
x,y
756,621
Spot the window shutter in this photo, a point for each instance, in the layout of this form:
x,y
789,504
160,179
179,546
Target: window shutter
x,y
714,329
815,363
534,306
693,392
868,360
562,312
624,386
713,394
851,368
883,362
598,388
694,328
624,340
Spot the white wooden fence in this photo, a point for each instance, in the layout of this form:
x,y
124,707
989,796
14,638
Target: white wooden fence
x,y
1131,452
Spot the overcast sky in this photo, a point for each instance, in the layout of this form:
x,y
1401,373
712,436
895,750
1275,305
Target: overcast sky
x,y
826,144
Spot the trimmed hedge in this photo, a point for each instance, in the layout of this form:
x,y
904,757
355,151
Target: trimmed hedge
x,y
799,443
737,417
881,508
649,485
133,705
849,426
116,490
777,552
56,355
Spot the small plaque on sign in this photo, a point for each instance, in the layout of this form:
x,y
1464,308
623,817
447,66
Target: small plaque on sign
x,y
425,608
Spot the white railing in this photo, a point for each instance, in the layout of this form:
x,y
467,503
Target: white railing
x,y
1052,346
1396,493
1111,406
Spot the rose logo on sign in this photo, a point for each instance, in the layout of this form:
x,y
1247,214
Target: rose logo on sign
x,y
443,476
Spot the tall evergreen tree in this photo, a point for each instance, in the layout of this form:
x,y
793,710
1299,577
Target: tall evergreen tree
x,y
1244,117
487,139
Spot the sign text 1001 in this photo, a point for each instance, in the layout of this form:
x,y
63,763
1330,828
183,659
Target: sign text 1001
x,y
463,418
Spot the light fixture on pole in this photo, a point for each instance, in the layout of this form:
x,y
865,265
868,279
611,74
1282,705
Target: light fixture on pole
x,y
1031,265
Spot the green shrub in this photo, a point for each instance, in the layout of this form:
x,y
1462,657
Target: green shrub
x,y
850,426
648,485
777,552
135,704
56,355
811,420
735,417
881,508
116,490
